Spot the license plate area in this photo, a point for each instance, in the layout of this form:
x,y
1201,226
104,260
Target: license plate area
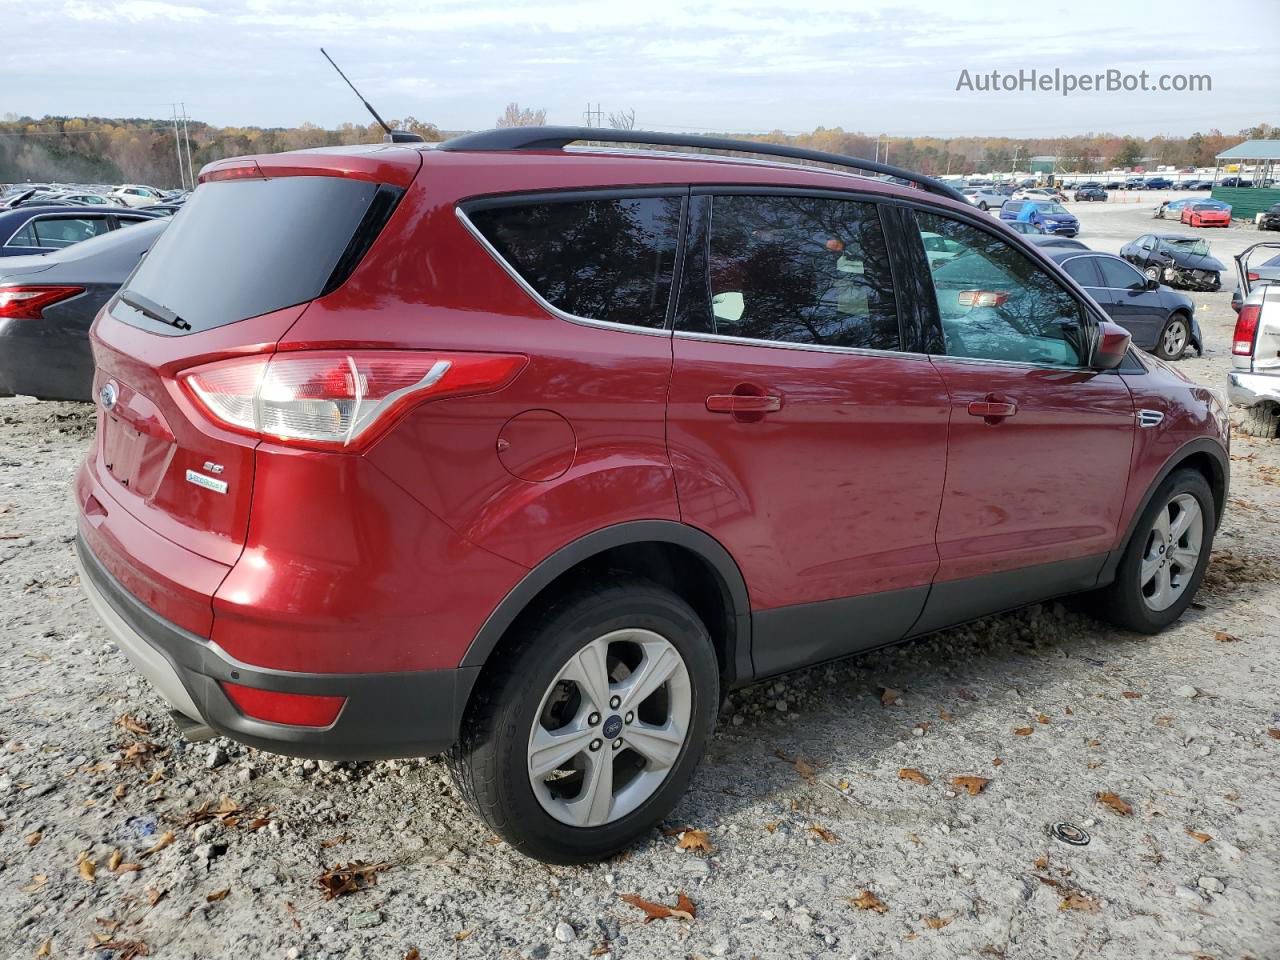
x,y
121,449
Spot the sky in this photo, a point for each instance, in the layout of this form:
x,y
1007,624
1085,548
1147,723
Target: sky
x,y
717,65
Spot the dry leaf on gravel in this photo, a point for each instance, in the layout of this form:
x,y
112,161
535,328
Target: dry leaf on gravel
x,y
341,838
154,896
1042,718
1273,733
975,785
114,860
696,840
166,838
33,838
138,754
824,834
803,767
945,717
937,923
1131,695
217,895
1115,803
348,878
412,954
889,696
1223,637
1197,835
38,881
1023,731
46,950
867,900
1075,900
88,868
915,776
996,761
133,725
683,910
126,949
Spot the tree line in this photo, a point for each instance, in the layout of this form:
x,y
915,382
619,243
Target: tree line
x,y
141,150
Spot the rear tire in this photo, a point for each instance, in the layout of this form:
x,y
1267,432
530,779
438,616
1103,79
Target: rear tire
x,y
1163,562
588,645
1261,420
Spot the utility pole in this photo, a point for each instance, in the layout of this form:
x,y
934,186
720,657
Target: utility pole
x,y
597,114
186,134
177,142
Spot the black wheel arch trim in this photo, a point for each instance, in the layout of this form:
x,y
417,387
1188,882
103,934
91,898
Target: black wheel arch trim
x,y
1176,459
672,532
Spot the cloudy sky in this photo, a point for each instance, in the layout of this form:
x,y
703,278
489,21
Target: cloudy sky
x,y
725,65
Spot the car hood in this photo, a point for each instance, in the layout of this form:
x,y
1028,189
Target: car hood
x,y
1059,217
1191,261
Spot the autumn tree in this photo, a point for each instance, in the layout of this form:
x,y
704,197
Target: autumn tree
x,y
516,116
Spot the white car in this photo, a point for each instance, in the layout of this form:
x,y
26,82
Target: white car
x,y
1254,379
1042,194
984,198
136,195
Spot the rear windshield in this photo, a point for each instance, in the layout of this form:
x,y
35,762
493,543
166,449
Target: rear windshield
x,y
242,248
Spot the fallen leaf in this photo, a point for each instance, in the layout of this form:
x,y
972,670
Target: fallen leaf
x,y
1075,900
348,878
695,840
461,935
923,726
88,869
121,790
974,785
996,762
166,838
889,696
38,881
915,838
945,717
1023,731
113,861
412,954
772,825
154,896
46,949
826,835
217,895
127,949
1202,837
937,923
1041,862
1095,743
801,766
1042,719
867,900
33,838
1115,803
683,910
1273,733
915,776
1070,712
1223,637
129,868
341,838
133,725
964,694
1131,695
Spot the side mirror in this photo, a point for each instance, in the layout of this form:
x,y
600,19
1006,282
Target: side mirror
x,y
1111,346
1153,283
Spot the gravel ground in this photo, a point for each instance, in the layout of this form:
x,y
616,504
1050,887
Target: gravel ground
x,y
118,840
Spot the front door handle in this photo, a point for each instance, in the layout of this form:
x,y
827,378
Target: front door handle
x,y
743,403
992,409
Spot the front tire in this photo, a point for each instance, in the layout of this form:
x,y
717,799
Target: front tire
x,y
1165,558
585,732
1151,272
1173,338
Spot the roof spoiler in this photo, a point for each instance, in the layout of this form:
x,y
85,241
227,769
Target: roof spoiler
x,y
556,138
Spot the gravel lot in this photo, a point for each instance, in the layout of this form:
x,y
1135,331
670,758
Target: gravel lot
x,y
113,846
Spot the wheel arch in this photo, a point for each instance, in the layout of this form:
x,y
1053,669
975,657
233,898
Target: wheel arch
x,y
1204,455
685,559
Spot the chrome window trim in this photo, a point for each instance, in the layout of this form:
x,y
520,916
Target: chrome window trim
x,y
782,344
551,308
61,215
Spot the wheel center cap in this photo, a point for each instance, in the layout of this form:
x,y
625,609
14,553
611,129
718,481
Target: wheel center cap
x,y
612,727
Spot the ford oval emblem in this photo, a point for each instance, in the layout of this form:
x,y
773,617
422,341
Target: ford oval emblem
x,y
108,395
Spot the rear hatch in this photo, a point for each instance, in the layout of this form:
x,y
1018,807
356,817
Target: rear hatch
x,y
256,243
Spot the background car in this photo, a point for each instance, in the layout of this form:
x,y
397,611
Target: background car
x,y
1160,320
1254,379
1205,215
1057,243
1270,219
41,229
1051,217
136,195
984,198
1021,226
1259,274
1089,193
1159,183
1176,260
47,304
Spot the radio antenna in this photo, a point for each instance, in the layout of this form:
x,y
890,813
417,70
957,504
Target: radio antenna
x,y
391,136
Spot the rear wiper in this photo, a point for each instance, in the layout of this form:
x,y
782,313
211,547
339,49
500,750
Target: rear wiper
x,y
149,308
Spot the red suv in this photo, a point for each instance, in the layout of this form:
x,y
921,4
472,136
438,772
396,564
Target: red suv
x,y
527,454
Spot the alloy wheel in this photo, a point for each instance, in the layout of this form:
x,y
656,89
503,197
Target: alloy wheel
x,y
1152,273
1172,552
610,727
1174,339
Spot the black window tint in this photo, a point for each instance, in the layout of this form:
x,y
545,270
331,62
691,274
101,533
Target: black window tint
x,y
997,304
801,270
608,259
59,232
243,248
1082,271
1117,273
26,237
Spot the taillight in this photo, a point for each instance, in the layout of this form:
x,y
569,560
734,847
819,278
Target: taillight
x,y
1253,277
983,298
331,399
1246,329
238,170
27,302
292,709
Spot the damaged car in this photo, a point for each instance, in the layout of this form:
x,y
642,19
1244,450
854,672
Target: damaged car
x,y
1176,260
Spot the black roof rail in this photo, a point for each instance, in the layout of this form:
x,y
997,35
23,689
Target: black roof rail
x,y
555,138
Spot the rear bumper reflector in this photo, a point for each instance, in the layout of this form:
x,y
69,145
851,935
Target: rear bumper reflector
x,y
290,709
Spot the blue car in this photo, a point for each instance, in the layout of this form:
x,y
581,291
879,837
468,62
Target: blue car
x,y
1049,217
39,229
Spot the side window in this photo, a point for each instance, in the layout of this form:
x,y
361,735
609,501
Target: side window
x,y
1117,273
1083,270
802,270
606,259
997,304
26,237
61,232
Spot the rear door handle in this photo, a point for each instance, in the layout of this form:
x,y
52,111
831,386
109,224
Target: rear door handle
x,y
991,409
742,403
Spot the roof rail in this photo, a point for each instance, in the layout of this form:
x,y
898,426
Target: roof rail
x,y
555,138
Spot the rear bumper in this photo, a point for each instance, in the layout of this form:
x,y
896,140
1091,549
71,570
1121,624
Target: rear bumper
x,y
1247,389
386,715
